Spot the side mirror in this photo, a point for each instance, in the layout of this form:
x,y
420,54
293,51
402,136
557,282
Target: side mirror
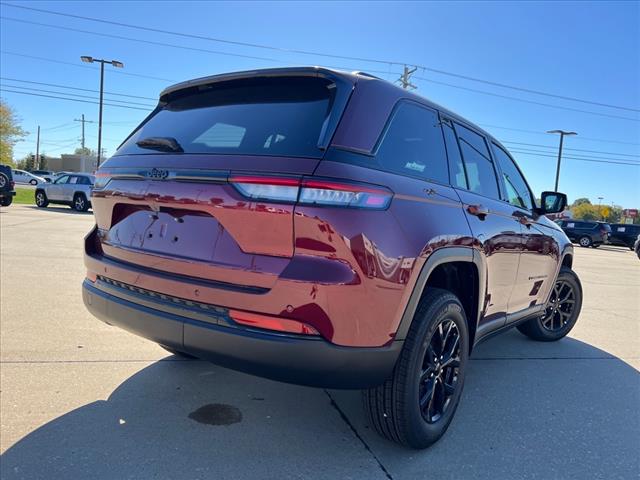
x,y
552,202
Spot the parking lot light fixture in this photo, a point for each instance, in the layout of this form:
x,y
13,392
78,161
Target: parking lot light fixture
x,y
117,64
562,133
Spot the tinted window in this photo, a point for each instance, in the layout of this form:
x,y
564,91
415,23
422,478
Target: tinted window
x,y
62,179
456,169
257,116
477,162
413,144
518,192
84,181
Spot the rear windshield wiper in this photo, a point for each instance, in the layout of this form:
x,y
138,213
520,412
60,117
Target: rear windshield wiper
x,y
164,144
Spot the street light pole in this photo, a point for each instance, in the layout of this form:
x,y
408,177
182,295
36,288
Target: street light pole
x,y
562,133
116,64
100,115
600,207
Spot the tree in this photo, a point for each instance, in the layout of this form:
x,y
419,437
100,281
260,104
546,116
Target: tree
x,y
10,132
581,201
585,211
27,162
43,162
85,151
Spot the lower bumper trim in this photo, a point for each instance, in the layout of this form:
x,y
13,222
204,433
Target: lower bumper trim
x,y
288,358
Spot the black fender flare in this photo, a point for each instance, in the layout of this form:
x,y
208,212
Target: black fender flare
x,y
439,257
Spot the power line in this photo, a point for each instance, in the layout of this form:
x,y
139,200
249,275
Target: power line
x,y
321,54
56,127
578,157
572,149
533,102
405,85
580,137
76,100
119,72
545,154
131,39
76,88
73,95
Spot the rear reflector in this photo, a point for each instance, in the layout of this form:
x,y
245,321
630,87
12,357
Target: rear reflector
x,y
272,323
319,192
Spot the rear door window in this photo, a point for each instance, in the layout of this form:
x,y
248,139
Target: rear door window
x,y
413,145
516,188
254,116
481,174
456,168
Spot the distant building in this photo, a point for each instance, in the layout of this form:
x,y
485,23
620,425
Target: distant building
x,y
72,163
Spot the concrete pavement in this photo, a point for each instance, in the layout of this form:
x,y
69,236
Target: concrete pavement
x,y
80,399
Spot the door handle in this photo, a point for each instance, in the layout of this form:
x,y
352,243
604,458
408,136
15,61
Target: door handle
x,y
479,211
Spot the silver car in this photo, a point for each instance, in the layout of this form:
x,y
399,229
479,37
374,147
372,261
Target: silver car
x,y
73,189
21,176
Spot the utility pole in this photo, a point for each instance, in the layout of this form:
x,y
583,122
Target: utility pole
x,y
83,122
405,78
116,64
36,163
600,207
562,133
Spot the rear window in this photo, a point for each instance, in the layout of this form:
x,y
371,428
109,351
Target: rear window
x,y
256,116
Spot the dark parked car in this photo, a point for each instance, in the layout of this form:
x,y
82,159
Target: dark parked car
x,y
6,186
327,229
624,235
636,246
586,233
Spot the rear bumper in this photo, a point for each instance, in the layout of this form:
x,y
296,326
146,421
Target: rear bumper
x,y
7,193
288,358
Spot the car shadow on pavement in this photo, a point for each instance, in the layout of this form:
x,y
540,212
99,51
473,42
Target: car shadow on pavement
x,y
562,410
59,209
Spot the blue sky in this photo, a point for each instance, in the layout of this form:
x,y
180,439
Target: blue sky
x,y
588,50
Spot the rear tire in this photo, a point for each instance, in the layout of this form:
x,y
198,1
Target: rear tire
x,y
6,201
178,353
80,203
41,199
561,313
585,241
33,182
416,405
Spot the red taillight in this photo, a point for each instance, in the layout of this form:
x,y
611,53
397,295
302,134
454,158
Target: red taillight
x,y
91,276
13,184
272,189
322,192
272,323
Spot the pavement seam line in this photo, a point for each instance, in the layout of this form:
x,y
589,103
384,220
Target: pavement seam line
x,y
357,435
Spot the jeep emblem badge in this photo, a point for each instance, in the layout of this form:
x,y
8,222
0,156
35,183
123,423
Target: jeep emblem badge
x,y
158,174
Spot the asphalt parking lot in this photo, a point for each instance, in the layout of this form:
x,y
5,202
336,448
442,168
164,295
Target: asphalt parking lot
x,y
80,399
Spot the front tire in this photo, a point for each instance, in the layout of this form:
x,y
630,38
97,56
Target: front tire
x,y
561,313
33,182
585,241
6,201
416,405
41,199
80,203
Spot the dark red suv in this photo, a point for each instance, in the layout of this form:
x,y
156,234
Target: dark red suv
x,y
327,229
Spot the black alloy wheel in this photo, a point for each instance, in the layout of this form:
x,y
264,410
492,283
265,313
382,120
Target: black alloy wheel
x,y
561,311
440,371
561,304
